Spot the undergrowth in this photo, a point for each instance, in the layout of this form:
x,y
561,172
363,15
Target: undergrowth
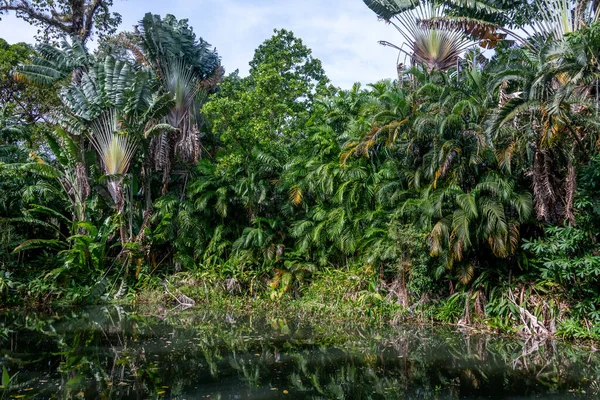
x,y
359,295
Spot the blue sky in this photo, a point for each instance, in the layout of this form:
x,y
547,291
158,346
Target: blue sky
x,y
343,34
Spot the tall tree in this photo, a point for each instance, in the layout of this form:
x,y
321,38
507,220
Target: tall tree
x,y
188,69
275,101
75,18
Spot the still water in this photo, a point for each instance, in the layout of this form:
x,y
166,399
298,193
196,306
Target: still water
x,y
118,353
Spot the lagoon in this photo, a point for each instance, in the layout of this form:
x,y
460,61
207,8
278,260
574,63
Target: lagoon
x,y
115,352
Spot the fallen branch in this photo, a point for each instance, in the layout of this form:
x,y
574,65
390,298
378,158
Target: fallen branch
x,y
182,299
531,324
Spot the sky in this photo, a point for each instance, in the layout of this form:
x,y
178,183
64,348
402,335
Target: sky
x,y
343,34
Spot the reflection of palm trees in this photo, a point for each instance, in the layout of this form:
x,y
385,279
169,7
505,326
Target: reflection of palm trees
x,y
113,353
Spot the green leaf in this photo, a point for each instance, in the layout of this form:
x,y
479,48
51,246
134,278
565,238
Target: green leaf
x,y
158,129
387,9
5,377
39,243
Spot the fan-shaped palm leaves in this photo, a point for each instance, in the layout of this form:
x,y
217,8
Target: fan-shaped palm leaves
x,y
552,20
54,64
115,148
116,151
446,156
560,17
107,84
184,86
187,67
432,48
166,39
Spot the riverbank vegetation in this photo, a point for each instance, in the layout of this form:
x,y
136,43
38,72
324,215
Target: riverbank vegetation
x,y
464,190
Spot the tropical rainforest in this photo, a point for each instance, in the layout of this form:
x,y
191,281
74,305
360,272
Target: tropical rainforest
x,y
463,190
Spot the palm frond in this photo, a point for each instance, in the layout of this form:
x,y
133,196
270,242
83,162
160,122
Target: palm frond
x,y
435,49
40,244
388,9
159,129
55,64
115,149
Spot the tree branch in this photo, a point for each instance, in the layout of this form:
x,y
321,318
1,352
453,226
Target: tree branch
x,y
25,8
89,19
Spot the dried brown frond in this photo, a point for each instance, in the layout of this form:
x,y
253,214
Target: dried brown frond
x,y
210,84
135,49
570,189
480,30
296,195
82,180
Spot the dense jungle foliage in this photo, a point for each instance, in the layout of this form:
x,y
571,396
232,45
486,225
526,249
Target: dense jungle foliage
x,y
463,190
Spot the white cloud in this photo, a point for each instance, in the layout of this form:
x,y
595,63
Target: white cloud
x,y
342,33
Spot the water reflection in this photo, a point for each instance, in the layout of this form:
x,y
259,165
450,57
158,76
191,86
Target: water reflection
x,y
113,353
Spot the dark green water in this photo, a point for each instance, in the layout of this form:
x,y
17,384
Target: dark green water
x,y
114,353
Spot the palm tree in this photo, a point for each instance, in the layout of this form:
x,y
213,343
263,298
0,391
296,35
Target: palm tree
x,y
391,110
549,102
116,150
188,69
490,213
547,121
559,17
55,194
429,47
468,204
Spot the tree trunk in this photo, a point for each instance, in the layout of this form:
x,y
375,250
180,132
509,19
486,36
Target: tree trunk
x,y
78,19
